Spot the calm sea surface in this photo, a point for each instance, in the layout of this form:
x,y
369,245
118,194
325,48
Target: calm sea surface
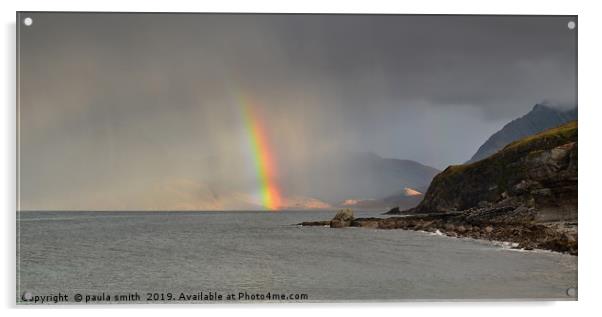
x,y
260,252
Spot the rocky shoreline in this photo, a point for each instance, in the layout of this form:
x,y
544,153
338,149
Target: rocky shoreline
x,y
524,194
554,236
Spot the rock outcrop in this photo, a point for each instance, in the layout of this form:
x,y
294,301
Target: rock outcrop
x,y
393,211
342,219
560,237
530,180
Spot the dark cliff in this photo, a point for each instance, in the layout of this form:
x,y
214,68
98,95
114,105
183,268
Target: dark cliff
x,y
535,177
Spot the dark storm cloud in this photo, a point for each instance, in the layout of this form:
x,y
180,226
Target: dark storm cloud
x,y
492,63
123,100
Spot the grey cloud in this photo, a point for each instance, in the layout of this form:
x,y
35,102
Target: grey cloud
x,y
111,102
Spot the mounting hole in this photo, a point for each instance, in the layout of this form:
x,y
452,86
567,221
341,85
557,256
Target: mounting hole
x,y
571,25
571,292
27,21
27,296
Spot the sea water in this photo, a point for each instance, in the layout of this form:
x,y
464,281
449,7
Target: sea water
x,y
252,253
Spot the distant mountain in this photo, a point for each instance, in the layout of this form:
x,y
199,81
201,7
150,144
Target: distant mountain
x,y
405,199
364,176
323,183
303,203
540,118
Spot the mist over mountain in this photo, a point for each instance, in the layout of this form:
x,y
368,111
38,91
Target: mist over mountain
x,y
360,176
404,199
540,118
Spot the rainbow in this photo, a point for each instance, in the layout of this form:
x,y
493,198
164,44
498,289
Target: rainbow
x,y
262,156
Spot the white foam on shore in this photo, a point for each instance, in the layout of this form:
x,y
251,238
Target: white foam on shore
x,y
507,245
502,245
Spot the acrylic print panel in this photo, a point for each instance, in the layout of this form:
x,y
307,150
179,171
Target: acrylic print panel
x,y
203,158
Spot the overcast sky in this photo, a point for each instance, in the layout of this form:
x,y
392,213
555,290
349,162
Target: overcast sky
x,y
121,100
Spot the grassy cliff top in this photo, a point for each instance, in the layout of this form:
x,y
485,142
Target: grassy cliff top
x,y
541,141
561,134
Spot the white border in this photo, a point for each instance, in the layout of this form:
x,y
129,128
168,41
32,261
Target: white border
x,y
589,114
